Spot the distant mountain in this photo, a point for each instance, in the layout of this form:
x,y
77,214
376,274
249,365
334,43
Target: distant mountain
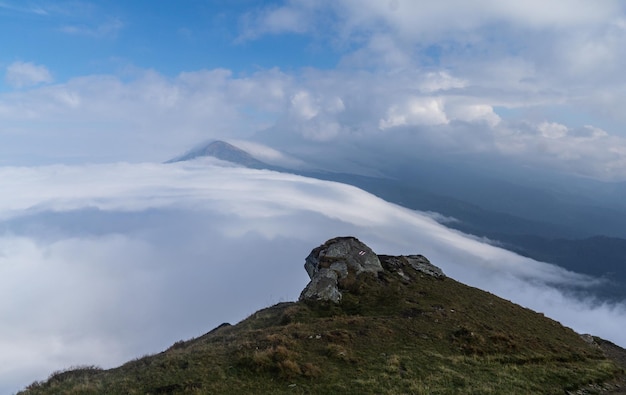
x,y
370,324
224,151
564,237
598,256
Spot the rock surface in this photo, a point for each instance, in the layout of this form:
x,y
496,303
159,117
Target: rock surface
x,y
418,263
343,258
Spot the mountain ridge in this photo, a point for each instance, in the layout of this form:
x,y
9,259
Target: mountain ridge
x,y
400,326
563,245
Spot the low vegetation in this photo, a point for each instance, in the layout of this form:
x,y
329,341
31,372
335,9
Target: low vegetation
x,y
387,336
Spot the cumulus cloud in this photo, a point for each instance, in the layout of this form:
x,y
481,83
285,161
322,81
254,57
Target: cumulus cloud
x,y
153,117
530,57
149,117
314,115
552,130
415,111
128,258
25,74
468,112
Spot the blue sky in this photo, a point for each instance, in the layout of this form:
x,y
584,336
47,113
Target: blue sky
x,y
74,38
529,83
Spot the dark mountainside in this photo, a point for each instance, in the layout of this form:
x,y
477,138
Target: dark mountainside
x,y
224,151
370,324
564,237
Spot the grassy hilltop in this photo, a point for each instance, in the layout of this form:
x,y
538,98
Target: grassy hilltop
x,y
400,331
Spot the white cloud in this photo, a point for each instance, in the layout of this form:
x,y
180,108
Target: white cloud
x,y
315,118
275,20
27,9
283,20
151,117
526,55
474,113
415,111
423,18
25,74
268,154
440,81
109,28
120,257
552,130
588,150
303,106
380,51
426,21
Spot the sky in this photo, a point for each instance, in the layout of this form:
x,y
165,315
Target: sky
x,y
106,254
529,83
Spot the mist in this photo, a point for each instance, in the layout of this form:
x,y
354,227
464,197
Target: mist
x,y
101,264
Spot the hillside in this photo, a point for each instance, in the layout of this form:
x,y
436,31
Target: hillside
x,y
370,324
568,231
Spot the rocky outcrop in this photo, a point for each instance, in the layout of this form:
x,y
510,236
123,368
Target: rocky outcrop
x,y
419,263
341,259
336,260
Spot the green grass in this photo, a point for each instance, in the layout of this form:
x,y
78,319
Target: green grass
x,y
388,336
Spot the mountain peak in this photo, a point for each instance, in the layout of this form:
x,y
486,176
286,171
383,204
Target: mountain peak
x,y
222,150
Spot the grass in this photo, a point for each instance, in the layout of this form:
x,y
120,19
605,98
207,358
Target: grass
x,y
388,336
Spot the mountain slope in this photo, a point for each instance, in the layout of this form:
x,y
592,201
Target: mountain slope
x,y
570,243
401,328
224,151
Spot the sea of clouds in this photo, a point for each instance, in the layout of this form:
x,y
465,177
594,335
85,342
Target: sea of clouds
x,y
100,264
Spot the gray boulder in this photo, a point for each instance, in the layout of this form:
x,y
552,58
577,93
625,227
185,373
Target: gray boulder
x,y
336,265
334,261
421,264
407,266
